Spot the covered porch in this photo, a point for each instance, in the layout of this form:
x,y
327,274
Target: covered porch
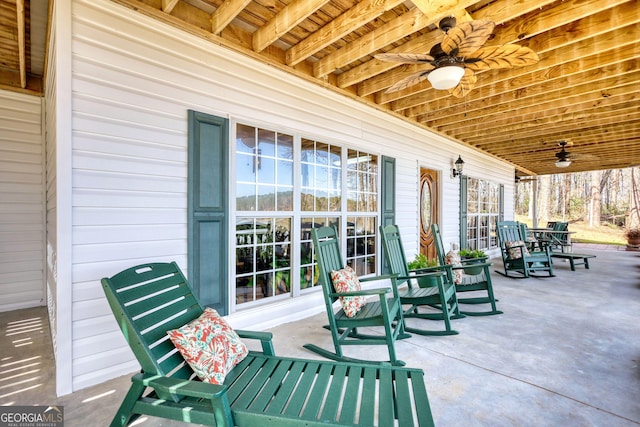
x,y
565,352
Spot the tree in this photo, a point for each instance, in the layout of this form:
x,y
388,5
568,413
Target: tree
x,y
594,198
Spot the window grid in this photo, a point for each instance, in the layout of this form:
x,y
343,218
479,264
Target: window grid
x,y
265,189
483,207
263,258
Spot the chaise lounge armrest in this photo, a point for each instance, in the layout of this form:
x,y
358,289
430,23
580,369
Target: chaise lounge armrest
x,y
265,339
177,389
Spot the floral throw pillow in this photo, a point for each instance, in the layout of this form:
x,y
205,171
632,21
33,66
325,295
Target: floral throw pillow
x,y
452,258
210,346
345,280
514,248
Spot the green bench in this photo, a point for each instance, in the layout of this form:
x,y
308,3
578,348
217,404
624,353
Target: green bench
x,y
574,259
263,389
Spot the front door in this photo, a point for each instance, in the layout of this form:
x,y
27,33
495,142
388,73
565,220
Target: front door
x,y
428,210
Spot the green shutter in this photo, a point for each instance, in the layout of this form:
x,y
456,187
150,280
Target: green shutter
x,y
208,209
387,197
388,189
463,211
501,203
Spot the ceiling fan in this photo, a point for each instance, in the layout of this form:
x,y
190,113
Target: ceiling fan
x,y
564,157
454,61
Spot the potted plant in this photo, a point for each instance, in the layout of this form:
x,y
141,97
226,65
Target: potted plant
x,y
472,256
421,262
633,236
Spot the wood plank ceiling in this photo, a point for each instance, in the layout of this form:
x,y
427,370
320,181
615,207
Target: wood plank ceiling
x,y
585,89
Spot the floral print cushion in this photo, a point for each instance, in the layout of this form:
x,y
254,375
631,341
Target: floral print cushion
x,y
514,248
452,258
210,346
345,280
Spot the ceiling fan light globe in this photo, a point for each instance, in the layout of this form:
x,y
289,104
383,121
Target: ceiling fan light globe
x,y
563,163
447,77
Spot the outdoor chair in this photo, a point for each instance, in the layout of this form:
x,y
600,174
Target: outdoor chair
x,y
558,239
384,311
529,238
437,292
475,277
262,389
515,255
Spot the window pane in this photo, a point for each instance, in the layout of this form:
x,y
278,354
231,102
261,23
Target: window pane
x,y
245,139
266,171
285,172
245,172
284,199
266,198
245,197
267,142
285,147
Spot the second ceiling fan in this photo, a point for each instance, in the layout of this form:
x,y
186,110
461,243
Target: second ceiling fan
x,y
454,61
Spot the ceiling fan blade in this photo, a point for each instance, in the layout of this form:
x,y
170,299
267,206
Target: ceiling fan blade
x,y
411,80
507,56
405,58
466,38
467,83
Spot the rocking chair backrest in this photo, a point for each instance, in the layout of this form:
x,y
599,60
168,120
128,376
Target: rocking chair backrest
x,y
327,249
508,231
395,257
437,239
147,301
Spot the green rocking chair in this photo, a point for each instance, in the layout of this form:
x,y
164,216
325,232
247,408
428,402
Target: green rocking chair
x,y
441,294
475,278
515,255
385,312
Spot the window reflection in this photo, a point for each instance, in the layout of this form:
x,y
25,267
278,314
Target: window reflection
x,y
263,258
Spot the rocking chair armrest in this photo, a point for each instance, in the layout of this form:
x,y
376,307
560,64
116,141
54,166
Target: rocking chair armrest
x,y
180,387
265,339
374,278
416,274
363,292
463,266
433,269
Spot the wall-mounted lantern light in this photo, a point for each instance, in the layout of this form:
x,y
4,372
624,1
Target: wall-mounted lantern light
x,y
459,164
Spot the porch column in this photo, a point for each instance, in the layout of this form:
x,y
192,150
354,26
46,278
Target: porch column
x,y
534,212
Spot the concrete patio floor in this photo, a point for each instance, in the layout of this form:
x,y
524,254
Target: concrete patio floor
x,y
564,353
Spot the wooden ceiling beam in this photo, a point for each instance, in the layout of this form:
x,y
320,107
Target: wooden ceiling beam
x,y
402,26
225,13
21,43
352,19
613,102
284,21
168,5
561,128
531,136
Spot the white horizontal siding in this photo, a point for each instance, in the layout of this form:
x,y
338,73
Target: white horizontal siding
x,y
133,81
21,202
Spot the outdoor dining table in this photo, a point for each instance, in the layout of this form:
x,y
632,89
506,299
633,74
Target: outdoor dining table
x,y
545,235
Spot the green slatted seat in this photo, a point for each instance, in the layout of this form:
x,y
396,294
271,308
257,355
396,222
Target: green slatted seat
x,y
263,389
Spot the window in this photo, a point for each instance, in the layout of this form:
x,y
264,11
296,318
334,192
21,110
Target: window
x,y
329,191
483,212
362,205
264,186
